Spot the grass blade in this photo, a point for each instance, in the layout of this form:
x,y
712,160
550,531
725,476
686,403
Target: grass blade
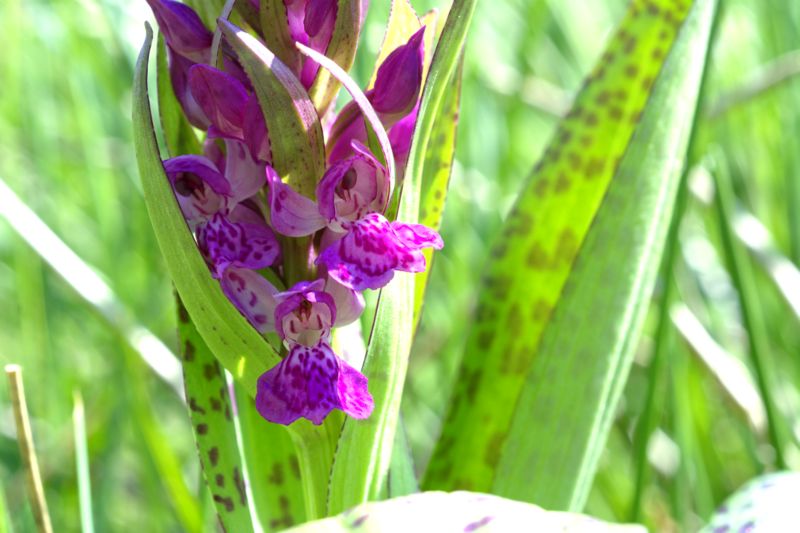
x,y
82,464
742,275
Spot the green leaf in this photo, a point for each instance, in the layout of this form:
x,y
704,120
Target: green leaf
x,y
273,469
402,480
296,141
369,114
460,511
235,343
576,263
436,177
341,50
210,409
364,453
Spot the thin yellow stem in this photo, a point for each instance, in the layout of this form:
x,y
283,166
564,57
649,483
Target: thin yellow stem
x,y
26,449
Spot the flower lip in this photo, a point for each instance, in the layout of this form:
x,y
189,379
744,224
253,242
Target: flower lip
x,y
305,313
352,188
310,382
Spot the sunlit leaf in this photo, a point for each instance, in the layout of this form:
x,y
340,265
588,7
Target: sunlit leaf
x,y
298,151
273,469
575,264
235,343
364,452
212,423
436,177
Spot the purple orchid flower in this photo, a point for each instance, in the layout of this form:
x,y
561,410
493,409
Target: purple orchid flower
x,y
394,97
354,246
311,380
363,249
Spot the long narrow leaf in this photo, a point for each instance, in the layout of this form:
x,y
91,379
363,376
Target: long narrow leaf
x,y
533,405
211,413
364,453
298,151
272,468
237,345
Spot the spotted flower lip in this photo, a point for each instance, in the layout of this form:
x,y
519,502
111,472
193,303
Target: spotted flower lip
x,y
237,241
310,382
373,248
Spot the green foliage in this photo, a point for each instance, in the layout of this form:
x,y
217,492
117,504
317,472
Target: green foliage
x,y
239,347
365,448
556,268
211,412
66,150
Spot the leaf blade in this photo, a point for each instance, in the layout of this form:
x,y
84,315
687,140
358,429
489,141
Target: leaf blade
x,y
236,344
533,271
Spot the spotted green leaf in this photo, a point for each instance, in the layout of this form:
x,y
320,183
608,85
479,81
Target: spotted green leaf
x,y
298,151
436,177
212,423
273,469
236,344
364,452
574,265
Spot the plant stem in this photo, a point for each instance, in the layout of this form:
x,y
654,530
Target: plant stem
x,y
750,306
26,449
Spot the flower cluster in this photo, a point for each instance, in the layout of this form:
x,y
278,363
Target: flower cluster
x,y
241,212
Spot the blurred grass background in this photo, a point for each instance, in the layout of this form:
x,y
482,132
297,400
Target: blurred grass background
x,y
65,149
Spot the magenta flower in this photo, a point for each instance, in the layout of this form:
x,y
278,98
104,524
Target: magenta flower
x,y
235,202
311,380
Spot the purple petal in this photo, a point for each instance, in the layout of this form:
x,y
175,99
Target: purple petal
x,y
227,243
349,126
400,136
255,131
352,188
305,314
354,397
418,236
221,97
309,383
245,175
291,213
367,256
320,16
399,79
179,76
349,302
200,189
183,30
252,295
318,22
